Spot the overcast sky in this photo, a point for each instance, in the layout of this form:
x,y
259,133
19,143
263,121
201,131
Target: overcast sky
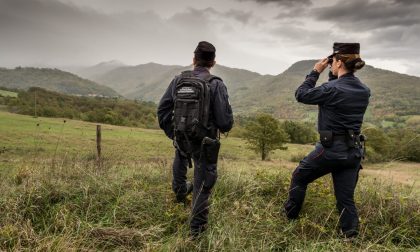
x,y
265,36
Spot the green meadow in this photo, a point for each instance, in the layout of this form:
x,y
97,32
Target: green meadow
x,y
8,93
56,196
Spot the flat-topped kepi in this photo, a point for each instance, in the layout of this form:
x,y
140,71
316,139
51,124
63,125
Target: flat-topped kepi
x,y
345,48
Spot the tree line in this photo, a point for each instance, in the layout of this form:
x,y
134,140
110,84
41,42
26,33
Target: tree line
x,y
265,133
392,144
117,111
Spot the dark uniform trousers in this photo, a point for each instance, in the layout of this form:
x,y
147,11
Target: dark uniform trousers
x,y
343,163
205,176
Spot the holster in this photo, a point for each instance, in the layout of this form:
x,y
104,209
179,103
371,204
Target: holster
x,y
210,150
362,139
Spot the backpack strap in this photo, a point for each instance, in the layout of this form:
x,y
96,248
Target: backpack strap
x,y
184,154
187,73
211,77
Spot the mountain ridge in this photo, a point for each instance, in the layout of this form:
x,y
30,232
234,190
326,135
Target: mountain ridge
x,y
52,79
393,94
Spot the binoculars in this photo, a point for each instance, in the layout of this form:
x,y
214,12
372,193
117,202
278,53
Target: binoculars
x,y
330,59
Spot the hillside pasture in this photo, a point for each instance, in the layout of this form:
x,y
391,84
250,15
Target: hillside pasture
x,y
57,196
5,93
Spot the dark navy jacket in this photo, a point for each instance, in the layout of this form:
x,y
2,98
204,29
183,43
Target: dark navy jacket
x,y
220,110
342,102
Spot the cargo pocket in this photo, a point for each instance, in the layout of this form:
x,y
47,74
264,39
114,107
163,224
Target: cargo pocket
x,y
211,177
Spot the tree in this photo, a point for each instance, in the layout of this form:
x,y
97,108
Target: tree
x,y
264,134
300,132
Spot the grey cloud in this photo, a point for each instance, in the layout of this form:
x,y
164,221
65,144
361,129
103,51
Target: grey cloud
x,y
196,15
241,16
387,29
409,2
295,12
38,29
304,43
48,32
298,35
54,32
192,18
362,15
282,2
394,42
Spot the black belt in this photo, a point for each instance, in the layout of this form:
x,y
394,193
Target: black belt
x,y
328,137
344,137
340,137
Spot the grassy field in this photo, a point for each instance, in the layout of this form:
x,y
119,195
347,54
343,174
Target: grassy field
x,y
56,197
8,93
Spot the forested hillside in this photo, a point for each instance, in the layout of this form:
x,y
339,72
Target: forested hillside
x,y
117,111
395,96
53,80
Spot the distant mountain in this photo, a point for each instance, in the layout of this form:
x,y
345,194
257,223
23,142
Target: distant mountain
x,y
393,94
149,81
97,70
53,80
146,82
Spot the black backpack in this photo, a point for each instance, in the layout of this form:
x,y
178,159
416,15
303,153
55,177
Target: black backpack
x,y
191,111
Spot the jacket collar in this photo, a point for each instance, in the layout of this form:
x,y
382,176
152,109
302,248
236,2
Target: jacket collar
x,y
201,69
349,74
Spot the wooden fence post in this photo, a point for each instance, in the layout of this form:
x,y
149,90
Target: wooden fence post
x,y
98,141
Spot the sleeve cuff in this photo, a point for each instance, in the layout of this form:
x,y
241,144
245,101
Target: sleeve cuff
x,y
314,73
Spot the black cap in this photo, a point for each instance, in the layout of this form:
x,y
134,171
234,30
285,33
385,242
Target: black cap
x,y
345,48
205,51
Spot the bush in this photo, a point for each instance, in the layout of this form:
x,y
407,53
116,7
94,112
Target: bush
x,y
378,144
300,132
406,144
395,144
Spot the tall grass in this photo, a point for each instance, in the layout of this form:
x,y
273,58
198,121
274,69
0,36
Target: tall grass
x,y
55,197
75,205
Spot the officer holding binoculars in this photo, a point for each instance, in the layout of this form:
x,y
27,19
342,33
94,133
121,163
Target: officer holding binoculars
x,y
342,103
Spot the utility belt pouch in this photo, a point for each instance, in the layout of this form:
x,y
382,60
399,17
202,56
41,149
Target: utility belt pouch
x,y
326,138
351,139
210,149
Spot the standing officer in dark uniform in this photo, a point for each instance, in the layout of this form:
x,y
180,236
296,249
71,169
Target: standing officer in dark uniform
x,y
342,103
220,119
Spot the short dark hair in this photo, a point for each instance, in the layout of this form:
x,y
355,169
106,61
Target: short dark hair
x,y
203,63
204,54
